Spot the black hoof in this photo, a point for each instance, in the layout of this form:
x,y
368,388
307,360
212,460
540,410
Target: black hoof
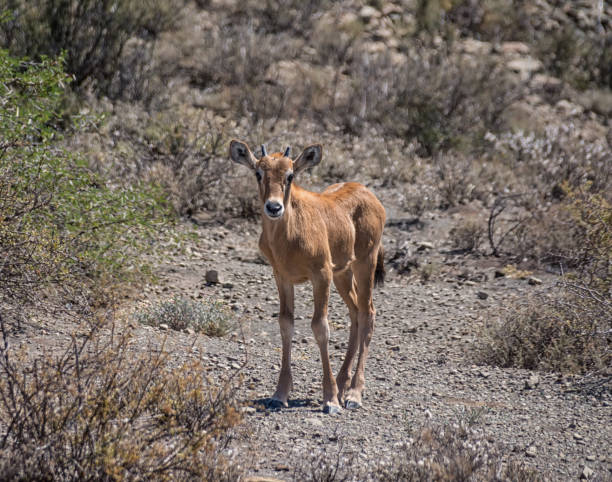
x,y
275,404
352,405
331,409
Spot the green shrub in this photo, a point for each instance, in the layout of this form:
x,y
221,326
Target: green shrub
x,y
100,411
60,223
443,101
210,318
92,33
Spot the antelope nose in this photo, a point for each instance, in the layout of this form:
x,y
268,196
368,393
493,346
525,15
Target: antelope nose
x,y
274,208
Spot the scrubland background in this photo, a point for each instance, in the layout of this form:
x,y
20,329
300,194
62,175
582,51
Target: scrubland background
x,y
115,118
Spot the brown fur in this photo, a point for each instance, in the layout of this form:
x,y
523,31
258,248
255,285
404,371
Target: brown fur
x,y
320,237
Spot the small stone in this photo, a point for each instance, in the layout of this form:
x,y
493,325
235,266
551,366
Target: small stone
x,y
248,410
499,273
482,295
531,451
591,458
577,436
514,48
423,245
367,12
532,280
163,327
190,331
587,473
532,382
228,286
212,276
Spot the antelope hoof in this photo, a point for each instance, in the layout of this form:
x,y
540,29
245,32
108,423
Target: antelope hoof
x,y
331,409
352,405
276,404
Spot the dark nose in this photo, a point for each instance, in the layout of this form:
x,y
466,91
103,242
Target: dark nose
x,y
273,207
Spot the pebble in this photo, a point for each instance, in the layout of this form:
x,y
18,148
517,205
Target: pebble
x,y
587,473
212,276
482,295
532,382
423,245
163,327
531,451
532,280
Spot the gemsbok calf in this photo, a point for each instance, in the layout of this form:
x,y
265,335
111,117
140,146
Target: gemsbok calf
x,y
335,235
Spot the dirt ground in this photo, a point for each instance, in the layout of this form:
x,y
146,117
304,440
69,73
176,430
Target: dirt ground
x,y
421,367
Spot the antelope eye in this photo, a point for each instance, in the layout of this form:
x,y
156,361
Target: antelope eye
x,y
290,177
258,176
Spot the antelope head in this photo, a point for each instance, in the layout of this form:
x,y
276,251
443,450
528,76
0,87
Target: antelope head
x,y
275,173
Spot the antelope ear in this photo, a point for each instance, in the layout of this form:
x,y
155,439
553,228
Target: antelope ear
x,y
310,157
240,153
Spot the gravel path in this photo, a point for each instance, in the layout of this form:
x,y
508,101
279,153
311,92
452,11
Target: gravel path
x,y
420,368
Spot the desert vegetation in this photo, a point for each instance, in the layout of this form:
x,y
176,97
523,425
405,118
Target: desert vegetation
x,y
490,118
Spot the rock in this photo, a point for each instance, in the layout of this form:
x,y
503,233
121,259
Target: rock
x,y
482,295
499,273
190,331
212,276
546,82
567,108
587,473
514,48
228,285
577,436
368,12
163,327
525,66
532,280
262,479
248,410
531,451
597,100
591,458
423,245
476,47
532,382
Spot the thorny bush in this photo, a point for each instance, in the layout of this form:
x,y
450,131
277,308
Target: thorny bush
x,y
101,411
61,224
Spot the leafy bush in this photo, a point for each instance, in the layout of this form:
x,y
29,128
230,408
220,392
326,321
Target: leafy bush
x,y
99,411
210,317
92,33
60,223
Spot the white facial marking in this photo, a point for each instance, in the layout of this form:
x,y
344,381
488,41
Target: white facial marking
x,y
274,208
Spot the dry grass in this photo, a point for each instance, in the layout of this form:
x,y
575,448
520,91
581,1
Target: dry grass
x,y
570,332
211,318
432,453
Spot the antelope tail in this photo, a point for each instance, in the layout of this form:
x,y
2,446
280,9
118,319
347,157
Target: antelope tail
x,y
379,273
